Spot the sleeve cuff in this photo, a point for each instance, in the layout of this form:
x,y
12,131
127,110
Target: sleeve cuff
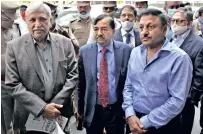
x,y
145,122
129,112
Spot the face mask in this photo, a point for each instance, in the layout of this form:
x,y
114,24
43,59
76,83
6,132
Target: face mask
x,y
140,10
177,30
23,15
84,16
171,12
127,25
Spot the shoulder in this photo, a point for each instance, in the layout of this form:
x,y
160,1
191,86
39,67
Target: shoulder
x,y
74,20
122,45
87,46
22,39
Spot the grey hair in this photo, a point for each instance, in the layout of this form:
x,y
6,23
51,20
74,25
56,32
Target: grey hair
x,y
37,7
188,14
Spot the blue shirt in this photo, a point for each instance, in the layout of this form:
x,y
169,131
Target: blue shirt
x,y
158,89
111,71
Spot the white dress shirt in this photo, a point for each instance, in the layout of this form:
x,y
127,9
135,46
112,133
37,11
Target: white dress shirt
x,y
132,37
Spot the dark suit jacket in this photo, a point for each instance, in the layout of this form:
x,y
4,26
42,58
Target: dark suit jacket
x,y
87,87
193,46
24,75
118,36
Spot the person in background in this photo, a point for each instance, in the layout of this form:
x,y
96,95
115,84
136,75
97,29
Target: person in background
x,y
200,18
22,11
102,69
169,8
21,20
109,8
63,30
155,91
192,44
140,6
8,15
41,71
126,33
80,26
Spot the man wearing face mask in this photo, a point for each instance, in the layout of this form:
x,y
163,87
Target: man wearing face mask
x,y
80,26
63,30
170,7
21,20
127,33
8,15
192,44
140,6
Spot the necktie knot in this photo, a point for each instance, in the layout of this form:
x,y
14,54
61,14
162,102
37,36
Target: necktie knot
x,y
127,35
104,50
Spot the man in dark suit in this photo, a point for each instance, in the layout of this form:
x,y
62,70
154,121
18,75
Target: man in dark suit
x,y
126,33
192,44
41,71
102,72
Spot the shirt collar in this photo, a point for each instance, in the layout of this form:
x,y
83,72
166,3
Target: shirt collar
x,y
123,32
109,47
80,19
182,36
166,46
47,39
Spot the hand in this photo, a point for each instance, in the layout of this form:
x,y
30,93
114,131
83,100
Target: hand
x,y
79,122
51,111
135,125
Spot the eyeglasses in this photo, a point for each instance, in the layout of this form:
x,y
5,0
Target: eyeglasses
x,y
177,21
110,8
174,7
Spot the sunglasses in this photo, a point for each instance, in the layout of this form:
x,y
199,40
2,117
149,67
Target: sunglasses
x,y
174,7
177,21
110,8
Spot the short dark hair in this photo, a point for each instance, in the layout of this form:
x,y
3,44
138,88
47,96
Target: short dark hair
x,y
157,13
103,16
146,2
129,7
200,11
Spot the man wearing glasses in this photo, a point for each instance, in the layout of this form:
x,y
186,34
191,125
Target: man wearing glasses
x,y
127,33
192,44
81,25
170,7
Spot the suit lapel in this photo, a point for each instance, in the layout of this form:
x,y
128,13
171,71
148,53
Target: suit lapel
x,y
31,51
118,35
55,56
187,42
93,59
118,54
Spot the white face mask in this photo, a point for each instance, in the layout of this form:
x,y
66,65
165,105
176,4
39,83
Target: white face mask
x,y
177,30
127,25
140,10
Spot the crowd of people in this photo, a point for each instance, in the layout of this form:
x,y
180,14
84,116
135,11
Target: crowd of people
x,y
139,74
